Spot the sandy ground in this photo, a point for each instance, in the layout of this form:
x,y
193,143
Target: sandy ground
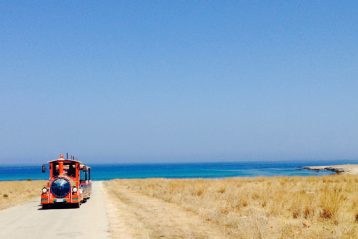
x,y
136,216
30,221
18,192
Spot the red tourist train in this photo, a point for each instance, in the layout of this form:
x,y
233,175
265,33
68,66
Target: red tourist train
x,y
69,183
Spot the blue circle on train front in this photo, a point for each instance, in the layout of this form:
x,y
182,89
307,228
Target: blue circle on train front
x,y
60,187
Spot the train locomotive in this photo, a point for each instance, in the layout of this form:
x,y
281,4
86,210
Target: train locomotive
x,y
69,183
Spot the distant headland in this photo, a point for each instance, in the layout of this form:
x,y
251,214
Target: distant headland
x,y
339,169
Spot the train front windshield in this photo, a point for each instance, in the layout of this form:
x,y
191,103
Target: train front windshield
x,y
69,169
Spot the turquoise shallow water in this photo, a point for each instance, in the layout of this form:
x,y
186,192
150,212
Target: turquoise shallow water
x,y
179,170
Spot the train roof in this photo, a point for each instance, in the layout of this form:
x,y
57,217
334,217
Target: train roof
x,y
68,160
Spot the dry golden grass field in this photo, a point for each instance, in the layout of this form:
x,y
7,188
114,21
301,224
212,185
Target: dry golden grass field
x,y
270,207
16,192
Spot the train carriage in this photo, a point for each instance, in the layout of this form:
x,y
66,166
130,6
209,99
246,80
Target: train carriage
x,y
69,183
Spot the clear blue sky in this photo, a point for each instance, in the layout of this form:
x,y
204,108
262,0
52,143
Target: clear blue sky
x,y
150,81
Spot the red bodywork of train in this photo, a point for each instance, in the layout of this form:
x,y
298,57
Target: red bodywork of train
x,y
69,183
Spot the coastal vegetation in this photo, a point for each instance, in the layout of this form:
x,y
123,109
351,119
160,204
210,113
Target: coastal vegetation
x,y
260,207
263,207
16,192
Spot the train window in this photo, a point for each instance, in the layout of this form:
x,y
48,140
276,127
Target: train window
x,y
89,174
70,169
83,175
55,169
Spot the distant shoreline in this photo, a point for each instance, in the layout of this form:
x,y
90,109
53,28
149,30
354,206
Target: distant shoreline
x,y
338,169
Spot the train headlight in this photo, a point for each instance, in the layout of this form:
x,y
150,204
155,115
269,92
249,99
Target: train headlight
x,y
74,189
44,190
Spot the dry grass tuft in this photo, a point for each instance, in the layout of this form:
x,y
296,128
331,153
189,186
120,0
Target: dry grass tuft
x,y
331,200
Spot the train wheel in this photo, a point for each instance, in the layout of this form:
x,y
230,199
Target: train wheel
x,y
77,205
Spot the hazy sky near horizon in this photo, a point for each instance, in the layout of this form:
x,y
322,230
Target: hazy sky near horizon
x,y
150,81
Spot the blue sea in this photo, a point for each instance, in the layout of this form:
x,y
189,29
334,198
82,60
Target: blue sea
x,y
179,170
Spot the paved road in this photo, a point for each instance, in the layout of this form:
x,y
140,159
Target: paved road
x,y
30,221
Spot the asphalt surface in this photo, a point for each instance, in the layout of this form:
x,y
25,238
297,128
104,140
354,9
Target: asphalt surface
x,y
30,221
